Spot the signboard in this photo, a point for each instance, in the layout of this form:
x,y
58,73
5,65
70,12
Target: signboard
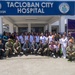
x,y
36,8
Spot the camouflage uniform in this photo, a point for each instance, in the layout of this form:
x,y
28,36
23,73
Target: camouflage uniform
x,y
34,47
40,48
45,48
17,47
8,48
70,52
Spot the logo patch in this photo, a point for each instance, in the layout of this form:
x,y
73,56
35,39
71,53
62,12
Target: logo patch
x,y
64,8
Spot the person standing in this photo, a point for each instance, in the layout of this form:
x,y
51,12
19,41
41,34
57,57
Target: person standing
x,y
42,38
50,37
5,38
37,38
64,43
31,38
22,39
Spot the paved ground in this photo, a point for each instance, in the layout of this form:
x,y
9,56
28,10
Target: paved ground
x,y
36,65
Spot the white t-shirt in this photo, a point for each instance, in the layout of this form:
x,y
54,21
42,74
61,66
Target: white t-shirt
x,y
56,47
26,38
46,38
37,38
64,42
21,39
50,38
60,40
52,46
43,39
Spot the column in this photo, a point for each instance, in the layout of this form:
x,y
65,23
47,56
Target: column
x,y
50,28
1,25
16,29
29,27
62,24
45,28
11,28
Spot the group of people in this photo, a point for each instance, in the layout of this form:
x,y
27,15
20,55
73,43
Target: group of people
x,y
48,43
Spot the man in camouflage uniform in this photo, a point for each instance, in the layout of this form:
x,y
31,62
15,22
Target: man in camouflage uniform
x,y
40,48
45,48
8,47
17,47
70,51
34,47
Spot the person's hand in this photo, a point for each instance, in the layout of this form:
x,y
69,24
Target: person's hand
x,y
17,48
16,52
10,48
2,49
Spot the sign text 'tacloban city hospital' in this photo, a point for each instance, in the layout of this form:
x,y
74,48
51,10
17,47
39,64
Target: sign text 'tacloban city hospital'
x,y
30,7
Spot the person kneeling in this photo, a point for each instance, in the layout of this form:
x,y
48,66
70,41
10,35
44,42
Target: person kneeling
x,y
70,51
1,50
52,48
17,47
34,47
9,48
26,47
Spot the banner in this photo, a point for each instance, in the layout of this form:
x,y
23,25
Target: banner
x,y
71,25
36,8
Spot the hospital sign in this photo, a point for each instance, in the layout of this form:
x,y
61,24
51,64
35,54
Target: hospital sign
x,y
37,8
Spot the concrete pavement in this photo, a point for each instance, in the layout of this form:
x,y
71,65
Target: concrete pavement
x,y
36,65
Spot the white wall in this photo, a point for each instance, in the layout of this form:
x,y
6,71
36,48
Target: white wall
x,y
5,21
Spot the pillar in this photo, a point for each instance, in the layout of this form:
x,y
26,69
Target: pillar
x,y
16,29
29,27
45,28
1,25
50,28
11,28
62,24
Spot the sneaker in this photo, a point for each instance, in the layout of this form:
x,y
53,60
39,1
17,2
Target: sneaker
x,y
53,56
64,57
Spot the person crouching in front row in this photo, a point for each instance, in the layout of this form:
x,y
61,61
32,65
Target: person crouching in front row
x,y
70,51
52,49
26,47
1,50
9,48
40,48
17,48
34,47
